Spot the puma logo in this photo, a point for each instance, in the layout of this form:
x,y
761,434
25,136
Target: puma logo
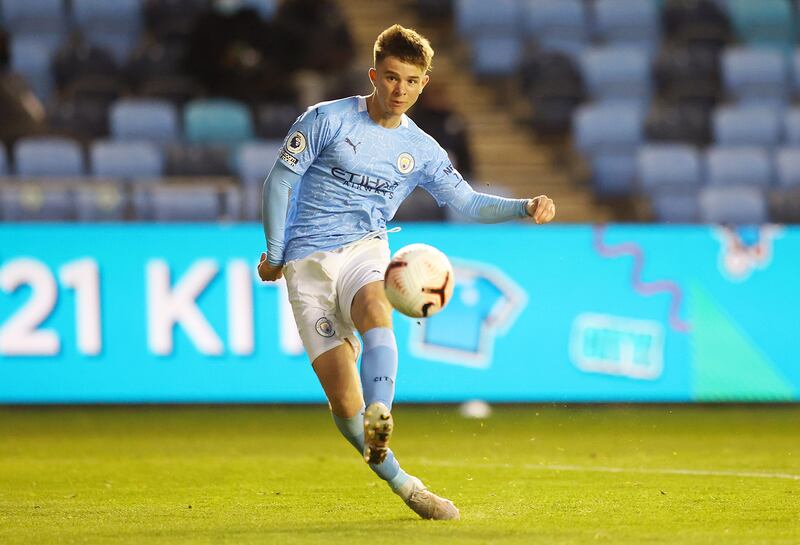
x,y
354,146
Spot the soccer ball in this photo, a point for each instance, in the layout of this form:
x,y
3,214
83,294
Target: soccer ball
x,y
419,280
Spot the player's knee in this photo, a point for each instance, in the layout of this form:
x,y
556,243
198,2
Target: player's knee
x,y
346,406
374,312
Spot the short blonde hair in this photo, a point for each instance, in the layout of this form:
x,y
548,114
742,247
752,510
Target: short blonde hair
x,y
405,44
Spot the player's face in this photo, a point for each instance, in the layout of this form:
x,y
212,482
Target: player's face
x,y
397,85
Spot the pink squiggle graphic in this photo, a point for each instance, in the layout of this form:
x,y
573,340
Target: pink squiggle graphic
x,y
641,287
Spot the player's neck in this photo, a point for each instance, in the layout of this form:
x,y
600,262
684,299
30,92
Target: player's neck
x,y
379,116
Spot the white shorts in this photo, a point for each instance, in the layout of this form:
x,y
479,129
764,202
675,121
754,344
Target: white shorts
x,y
322,287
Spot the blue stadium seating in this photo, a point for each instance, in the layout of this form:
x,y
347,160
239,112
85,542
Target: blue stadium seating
x,y
144,119
787,166
628,22
670,174
736,205
31,57
38,17
178,203
763,22
477,16
36,202
557,25
748,125
266,8
609,135
253,163
48,157
791,125
755,75
130,161
224,122
738,166
101,202
616,73
495,55
113,25
3,161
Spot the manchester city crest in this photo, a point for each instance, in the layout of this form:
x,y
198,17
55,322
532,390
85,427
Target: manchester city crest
x,y
405,163
325,327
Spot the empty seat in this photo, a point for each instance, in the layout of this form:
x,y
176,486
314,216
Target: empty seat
x,y
254,161
495,55
178,203
476,16
102,202
197,160
113,25
764,23
737,205
224,122
48,156
632,22
144,119
616,73
678,122
787,166
34,16
30,58
3,161
745,166
755,75
670,175
609,134
36,202
133,161
748,125
791,125
557,25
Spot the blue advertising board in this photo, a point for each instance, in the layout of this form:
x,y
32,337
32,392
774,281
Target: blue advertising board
x,y
175,313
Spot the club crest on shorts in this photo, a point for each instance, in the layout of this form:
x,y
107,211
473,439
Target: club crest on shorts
x,y
324,327
405,163
296,142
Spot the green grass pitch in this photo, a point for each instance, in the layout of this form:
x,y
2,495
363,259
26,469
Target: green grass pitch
x,y
273,475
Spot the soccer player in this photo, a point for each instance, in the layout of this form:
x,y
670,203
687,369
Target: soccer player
x,y
345,167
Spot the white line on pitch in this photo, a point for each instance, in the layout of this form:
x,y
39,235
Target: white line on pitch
x,y
604,469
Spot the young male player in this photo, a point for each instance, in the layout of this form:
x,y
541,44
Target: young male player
x,y
343,171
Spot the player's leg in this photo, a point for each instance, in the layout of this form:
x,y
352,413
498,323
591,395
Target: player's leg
x,y
372,316
338,375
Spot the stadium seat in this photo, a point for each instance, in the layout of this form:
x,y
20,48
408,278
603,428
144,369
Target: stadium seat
x,y
763,23
678,122
473,17
748,125
253,162
197,160
30,57
48,156
144,119
36,202
112,25
224,122
787,166
82,120
556,25
628,22
609,135
688,74
130,161
495,55
740,166
733,205
102,202
791,125
3,161
755,75
178,203
616,73
670,175
266,9
38,17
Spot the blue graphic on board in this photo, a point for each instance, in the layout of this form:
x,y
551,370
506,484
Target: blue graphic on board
x,y
485,303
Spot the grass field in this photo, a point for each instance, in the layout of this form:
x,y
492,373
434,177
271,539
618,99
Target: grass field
x,y
539,474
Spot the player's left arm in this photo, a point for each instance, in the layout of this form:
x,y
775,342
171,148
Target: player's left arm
x,y
542,209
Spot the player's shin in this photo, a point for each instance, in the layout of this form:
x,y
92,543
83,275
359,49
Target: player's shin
x,y
379,366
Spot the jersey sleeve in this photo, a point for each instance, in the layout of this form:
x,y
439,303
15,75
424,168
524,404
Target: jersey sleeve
x,y
440,178
309,135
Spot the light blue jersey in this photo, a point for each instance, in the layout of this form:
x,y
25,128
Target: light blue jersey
x,y
355,174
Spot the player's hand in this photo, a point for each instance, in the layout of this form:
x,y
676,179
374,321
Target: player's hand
x,y
268,272
541,209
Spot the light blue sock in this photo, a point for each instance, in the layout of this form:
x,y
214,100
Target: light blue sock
x,y
379,366
353,430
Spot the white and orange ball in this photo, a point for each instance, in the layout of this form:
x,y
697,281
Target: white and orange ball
x,y
419,280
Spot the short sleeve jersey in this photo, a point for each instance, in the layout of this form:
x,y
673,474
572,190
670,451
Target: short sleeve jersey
x,y
355,174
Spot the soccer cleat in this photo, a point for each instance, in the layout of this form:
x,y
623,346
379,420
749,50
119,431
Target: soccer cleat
x,y
427,504
378,426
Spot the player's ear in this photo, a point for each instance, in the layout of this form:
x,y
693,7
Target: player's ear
x,y
373,76
425,79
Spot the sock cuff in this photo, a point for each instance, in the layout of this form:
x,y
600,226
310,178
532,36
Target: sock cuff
x,y
379,336
350,427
